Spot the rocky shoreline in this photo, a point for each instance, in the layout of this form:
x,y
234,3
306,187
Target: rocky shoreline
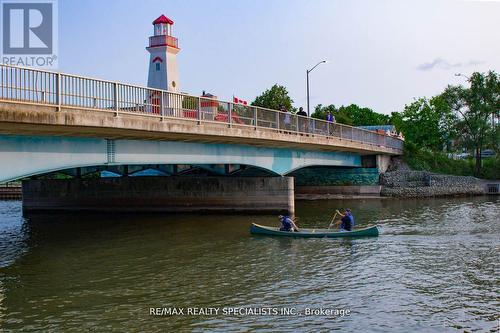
x,y
401,182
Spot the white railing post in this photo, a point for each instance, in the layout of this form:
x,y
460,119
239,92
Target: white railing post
x,y
162,106
230,109
58,92
297,123
199,111
341,131
255,117
116,98
277,120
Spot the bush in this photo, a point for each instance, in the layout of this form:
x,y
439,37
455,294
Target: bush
x,y
422,159
491,168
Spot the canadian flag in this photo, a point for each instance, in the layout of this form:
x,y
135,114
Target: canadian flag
x,y
236,100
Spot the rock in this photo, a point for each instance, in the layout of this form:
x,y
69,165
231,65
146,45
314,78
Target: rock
x,y
397,164
414,184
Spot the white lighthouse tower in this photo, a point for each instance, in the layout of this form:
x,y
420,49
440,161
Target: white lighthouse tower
x,y
163,49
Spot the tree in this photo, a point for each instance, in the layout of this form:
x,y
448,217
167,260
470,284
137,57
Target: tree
x,y
446,123
351,115
275,98
425,123
362,116
475,107
320,111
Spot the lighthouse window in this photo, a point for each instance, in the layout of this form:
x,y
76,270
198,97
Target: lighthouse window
x,y
157,66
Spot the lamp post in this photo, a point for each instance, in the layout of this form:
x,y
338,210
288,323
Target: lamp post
x,y
460,74
307,79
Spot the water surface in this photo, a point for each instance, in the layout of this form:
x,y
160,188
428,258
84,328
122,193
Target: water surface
x,y
434,268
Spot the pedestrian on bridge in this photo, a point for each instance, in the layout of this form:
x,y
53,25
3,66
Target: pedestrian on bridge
x,y
302,122
330,118
287,118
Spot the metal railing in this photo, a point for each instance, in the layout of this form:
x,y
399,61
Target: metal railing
x,y
163,40
36,86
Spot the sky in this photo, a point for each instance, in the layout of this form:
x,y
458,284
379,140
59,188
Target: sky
x,y
381,54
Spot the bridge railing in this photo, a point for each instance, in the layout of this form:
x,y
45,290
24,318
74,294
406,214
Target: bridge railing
x,y
36,86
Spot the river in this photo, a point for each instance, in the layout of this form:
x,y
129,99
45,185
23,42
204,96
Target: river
x,y
434,268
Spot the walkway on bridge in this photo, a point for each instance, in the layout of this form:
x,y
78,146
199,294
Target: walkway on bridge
x,y
70,93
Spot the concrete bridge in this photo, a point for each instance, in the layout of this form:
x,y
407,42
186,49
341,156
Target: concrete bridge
x,y
53,121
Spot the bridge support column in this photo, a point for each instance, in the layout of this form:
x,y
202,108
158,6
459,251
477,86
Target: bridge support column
x,y
162,194
383,162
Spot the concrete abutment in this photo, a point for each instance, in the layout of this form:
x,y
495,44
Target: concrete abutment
x,y
161,194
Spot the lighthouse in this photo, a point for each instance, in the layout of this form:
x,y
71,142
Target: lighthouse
x,y
163,49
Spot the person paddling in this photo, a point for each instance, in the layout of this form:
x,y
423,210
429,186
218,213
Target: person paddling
x,y
347,220
287,224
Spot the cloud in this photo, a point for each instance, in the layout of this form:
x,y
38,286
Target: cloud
x,y
440,63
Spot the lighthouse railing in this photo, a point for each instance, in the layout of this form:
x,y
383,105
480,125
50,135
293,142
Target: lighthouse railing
x,y
35,86
163,40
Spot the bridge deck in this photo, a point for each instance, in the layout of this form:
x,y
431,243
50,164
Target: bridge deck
x,y
35,102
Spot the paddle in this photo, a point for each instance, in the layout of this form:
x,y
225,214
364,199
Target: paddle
x,y
295,221
333,219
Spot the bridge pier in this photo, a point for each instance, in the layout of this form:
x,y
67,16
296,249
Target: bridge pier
x,y
161,194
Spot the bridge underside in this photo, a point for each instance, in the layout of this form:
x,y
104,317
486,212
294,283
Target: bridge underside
x,y
26,156
158,170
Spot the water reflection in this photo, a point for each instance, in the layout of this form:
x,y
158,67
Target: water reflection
x,y
434,267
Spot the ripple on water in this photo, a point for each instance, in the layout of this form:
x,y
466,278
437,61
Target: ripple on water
x,y
434,268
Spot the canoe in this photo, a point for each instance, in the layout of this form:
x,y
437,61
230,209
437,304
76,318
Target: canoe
x,y
318,233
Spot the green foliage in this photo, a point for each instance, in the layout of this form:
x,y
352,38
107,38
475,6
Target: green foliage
x,y
425,123
275,98
473,108
493,140
321,111
190,102
491,168
363,116
351,115
425,159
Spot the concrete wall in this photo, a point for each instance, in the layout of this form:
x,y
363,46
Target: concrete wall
x,y
162,194
335,176
10,193
337,192
383,162
370,190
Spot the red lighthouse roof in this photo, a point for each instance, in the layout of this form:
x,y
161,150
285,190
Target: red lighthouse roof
x,y
163,19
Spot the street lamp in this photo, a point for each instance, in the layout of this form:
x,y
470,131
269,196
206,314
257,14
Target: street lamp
x,y
460,74
307,78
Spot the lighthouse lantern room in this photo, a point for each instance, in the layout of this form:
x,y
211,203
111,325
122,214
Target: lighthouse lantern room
x,y
163,49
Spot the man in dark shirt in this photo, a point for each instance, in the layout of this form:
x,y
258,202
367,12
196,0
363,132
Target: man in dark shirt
x,y
302,112
287,224
302,121
347,220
